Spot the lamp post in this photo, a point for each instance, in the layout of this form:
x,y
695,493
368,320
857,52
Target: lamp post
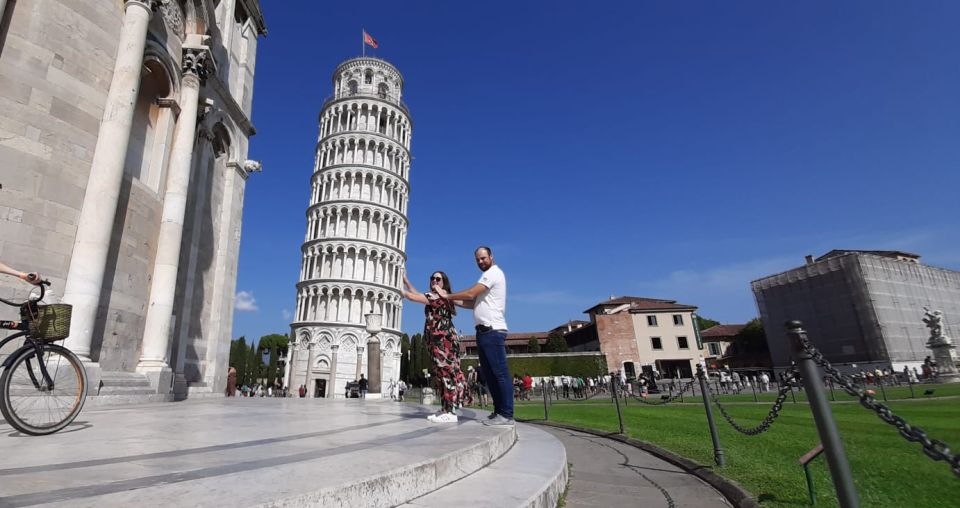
x,y
374,326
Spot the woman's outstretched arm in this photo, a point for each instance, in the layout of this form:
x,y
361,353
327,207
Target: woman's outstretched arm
x,y
410,293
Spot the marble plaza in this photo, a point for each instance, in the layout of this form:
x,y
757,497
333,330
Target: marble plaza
x,y
279,452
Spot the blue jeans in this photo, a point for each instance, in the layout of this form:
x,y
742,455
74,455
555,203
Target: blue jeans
x,y
496,375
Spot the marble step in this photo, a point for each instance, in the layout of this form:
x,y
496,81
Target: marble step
x,y
249,452
533,474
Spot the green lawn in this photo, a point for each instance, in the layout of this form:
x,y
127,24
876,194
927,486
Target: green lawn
x,y
888,470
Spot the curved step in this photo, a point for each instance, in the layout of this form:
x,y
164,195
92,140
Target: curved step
x,y
246,452
533,474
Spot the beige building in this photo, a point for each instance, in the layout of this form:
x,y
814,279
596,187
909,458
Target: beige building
x,y
641,335
717,341
123,162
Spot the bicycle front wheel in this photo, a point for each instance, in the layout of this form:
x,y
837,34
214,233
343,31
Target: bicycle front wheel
x,y
36,404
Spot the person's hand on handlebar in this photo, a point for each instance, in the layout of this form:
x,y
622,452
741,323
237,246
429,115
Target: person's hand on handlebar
x,y
32,277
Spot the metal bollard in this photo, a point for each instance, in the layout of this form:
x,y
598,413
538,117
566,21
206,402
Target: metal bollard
x,y
718,455
882,391
754,390
909,382
616,400
826,427
546,412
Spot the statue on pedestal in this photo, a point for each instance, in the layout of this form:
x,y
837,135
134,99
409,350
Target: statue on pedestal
x,y
942,347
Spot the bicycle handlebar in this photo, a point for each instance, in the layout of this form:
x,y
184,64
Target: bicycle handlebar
x,y
37,299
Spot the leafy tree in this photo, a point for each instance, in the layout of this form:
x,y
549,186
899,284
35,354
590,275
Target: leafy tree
x,y
405,357
556,344
533,345
749,347
704,323
238,358
254,362
421,359
273,346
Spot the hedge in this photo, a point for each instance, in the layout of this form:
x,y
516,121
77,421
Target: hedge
x,y
552,365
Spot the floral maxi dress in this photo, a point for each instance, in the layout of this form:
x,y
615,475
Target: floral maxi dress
x,y
444,344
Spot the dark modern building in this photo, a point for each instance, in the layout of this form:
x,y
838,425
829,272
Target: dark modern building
x,y
859,307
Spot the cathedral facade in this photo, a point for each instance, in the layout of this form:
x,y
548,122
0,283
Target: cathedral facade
x,y
123,163
354,249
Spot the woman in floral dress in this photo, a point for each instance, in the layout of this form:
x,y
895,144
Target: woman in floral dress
x,y
444,343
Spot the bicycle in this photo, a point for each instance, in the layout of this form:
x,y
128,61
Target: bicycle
x,y
43,385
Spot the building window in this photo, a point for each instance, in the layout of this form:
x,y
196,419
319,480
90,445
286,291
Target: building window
x,y
383,90
368,77
651,320
682,343
714,348
655,341
678,319
352,86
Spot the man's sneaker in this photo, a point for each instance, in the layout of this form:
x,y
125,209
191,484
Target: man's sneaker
x,y
445,418
499,421
432,418
491,416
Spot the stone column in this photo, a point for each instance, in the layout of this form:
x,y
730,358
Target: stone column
x,y
308,377
359,361
286,366
156,333
95,226
373,365
332,389
292,363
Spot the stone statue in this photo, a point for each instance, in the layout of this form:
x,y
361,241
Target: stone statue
x,y
944,359
934,321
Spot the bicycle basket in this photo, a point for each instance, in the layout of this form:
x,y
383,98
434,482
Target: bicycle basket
x,y
51,322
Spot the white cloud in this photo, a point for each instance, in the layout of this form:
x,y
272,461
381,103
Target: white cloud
x,y
286,314
245,302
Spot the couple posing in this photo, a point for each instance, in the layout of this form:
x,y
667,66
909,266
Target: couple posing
x,y
488,299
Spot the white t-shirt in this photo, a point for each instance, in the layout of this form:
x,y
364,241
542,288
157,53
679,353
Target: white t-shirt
x,y
490,306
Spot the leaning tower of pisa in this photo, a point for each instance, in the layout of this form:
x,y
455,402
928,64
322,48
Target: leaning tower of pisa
x,y
353,251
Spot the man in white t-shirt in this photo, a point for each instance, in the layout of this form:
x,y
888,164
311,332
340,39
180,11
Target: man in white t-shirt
x,y
488,299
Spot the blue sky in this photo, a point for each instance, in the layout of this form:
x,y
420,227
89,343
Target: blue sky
x,y
664,149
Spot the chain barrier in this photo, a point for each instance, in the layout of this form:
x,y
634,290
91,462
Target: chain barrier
x,y
771,416
935,449
666,400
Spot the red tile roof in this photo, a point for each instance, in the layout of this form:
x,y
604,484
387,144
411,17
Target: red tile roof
x,y
638,303
721,331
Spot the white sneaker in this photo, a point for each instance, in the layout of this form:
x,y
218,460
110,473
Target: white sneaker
x,y
445,418
432,418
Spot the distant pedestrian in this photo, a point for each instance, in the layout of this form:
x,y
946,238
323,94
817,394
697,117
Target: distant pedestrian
x,y
231,382
765,381
364,385
303,391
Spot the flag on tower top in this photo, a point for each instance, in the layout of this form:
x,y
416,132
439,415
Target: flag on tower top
x,y
368,39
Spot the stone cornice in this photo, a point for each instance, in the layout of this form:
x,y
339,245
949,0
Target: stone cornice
x,y
359,133
256,15
331,102
357,203
320,172
303,324
367,60
311,243
371,134
345,282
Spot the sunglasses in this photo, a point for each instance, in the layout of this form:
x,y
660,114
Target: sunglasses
x,y
436,278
